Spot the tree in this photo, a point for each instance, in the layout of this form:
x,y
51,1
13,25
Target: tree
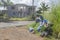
x,y
43,8
9,2
39,11
6,2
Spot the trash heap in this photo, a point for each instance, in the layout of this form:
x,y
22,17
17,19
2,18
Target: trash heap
x,y
41,25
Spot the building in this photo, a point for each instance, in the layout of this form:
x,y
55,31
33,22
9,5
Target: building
x,y
20,10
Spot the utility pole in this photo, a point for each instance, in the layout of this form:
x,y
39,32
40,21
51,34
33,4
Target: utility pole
x,y
32,6
32,2
33,10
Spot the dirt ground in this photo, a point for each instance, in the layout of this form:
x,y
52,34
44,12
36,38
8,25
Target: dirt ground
x,y
17,33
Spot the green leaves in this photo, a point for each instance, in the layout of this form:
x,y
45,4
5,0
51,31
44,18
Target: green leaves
x,y
7,2
56,19
44,7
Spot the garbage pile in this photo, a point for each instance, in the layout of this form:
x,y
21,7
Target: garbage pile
x,y
44,27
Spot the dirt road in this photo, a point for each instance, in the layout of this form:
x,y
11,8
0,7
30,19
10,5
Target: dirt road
x,y
17,33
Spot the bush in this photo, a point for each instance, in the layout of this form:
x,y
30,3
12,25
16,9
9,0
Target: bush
x,y
56,20
54,17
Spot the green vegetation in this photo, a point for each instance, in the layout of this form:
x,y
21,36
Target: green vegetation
x,y
20,19
54,17
4,17
34,25
56,20
6,2
9,2
44,7
1,16
51,38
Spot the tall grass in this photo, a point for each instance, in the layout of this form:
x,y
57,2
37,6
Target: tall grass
x,y
54,17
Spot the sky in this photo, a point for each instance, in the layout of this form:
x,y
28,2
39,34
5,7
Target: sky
x,y
36,2
29,2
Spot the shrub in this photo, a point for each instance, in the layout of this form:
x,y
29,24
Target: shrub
x,y
56,20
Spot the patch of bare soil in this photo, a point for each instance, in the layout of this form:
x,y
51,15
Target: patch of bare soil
x,y
17,33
